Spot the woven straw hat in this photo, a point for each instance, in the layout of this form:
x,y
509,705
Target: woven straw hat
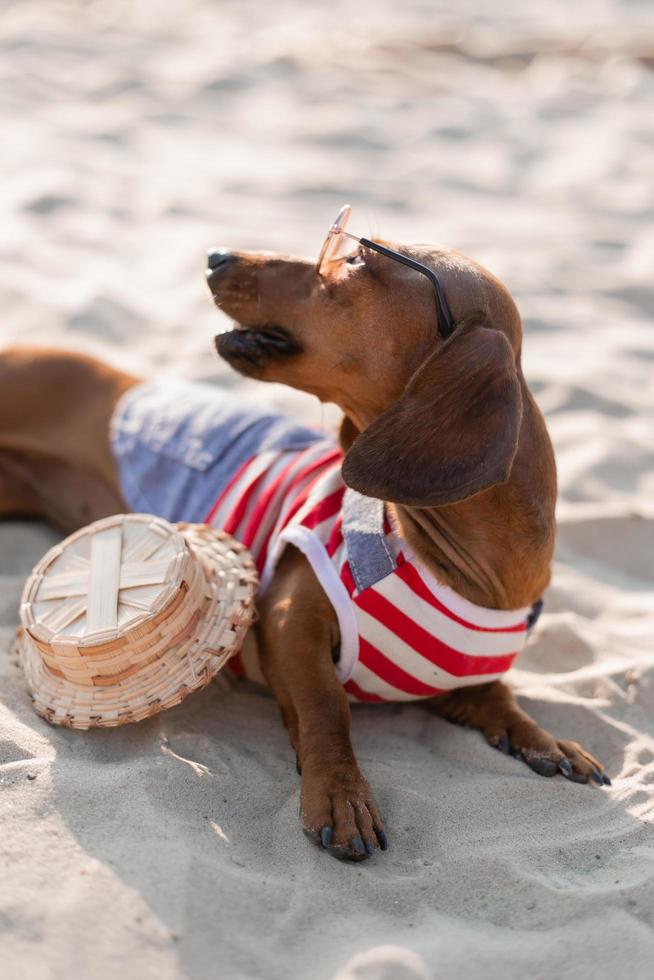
x,y
129,615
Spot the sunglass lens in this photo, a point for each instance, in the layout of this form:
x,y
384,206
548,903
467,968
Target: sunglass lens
x,y
336,245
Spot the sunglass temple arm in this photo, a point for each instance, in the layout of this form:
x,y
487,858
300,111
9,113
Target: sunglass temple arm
x,y
444,316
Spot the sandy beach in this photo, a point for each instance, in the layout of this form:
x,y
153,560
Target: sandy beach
x,y
136,136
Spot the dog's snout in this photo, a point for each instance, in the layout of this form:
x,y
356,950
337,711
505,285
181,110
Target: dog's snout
x,y
220,258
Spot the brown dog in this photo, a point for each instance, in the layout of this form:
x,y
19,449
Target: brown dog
x,y
445,431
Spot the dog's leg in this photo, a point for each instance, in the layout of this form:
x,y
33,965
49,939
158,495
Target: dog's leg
x,y
493,709
55,458
297,632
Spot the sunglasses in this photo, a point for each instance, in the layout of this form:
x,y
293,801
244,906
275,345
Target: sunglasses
x,y
340,245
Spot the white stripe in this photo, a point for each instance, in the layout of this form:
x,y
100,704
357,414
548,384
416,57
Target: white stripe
x,y
321,532
268,517
341,558
304,460
328,483
405,657
251,472
273,472
438,624
321,477
370,682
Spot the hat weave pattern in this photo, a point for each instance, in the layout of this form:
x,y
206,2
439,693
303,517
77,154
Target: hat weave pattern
x,y
129,615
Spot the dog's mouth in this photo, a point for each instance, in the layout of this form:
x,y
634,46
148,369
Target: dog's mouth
x,y
256,346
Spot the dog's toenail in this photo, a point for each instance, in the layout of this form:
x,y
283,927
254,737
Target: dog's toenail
x,y
606,780
565,767
326,836
503,744
370,847
597,776
357,845
381,837
544,767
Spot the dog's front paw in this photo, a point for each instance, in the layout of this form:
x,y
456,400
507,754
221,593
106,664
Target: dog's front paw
x,y
545,754
339,813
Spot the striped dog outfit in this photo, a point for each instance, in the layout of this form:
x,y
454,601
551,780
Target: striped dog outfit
x,y
188,452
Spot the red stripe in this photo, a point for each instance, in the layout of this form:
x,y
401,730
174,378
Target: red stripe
x,y
264,501
223,494
336,537
234,519
426,644
330,457
374,660
360,694
321,463
302,497
327,507
411,576
347,578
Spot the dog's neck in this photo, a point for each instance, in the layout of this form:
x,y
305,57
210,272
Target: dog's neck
x,y
466,549
435,535
495,548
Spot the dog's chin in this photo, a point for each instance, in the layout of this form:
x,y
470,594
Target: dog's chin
x,y
251,349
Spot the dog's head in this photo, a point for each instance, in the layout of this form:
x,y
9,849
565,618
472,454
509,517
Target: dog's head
x,y
434,420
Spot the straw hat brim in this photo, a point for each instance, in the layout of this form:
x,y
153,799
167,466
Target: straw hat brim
x,y
187,666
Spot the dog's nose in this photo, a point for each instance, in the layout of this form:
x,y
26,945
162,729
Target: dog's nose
x,y
219,258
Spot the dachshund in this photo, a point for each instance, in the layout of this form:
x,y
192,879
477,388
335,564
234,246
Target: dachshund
x,y
441,432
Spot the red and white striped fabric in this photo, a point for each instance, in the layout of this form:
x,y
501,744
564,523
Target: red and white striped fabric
x,y
403,638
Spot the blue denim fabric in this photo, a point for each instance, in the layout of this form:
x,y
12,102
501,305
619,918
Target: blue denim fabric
x,y
367,549
177,444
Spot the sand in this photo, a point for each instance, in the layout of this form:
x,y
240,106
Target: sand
x,y
134,136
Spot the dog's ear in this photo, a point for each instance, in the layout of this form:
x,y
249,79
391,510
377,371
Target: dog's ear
x,y
454,430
